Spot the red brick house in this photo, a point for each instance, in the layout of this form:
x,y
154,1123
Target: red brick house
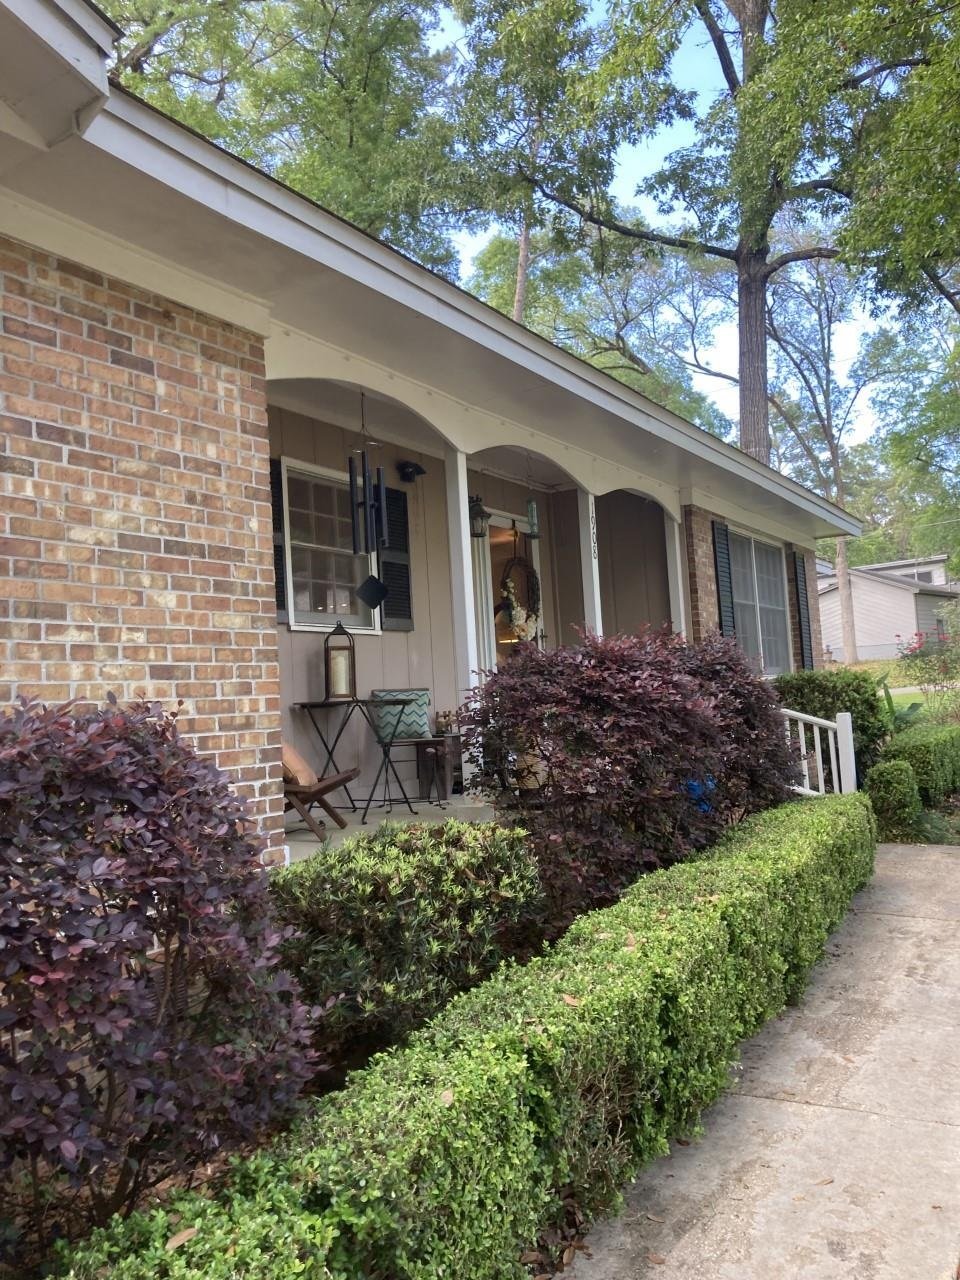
x,y
190,354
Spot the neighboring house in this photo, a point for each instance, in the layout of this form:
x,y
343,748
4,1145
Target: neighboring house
x,y
190,356
931,569
892,602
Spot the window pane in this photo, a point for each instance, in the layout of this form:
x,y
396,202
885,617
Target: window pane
x,y
301,525
744,596
771,593
325,571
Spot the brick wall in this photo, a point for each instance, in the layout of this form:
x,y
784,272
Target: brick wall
x,y
135,539
701,572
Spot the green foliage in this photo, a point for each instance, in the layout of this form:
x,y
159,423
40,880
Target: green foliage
x,y
892,788
447,1157
626,314
824,693
342,101
398,920
861,98
933,751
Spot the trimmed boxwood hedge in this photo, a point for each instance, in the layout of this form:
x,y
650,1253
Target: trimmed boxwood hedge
x,y
933,751
446,1158
892,788
396,921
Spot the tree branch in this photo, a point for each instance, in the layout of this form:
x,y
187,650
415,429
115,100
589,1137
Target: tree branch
x,y
720,45
637,233
949,295
881,69
799,255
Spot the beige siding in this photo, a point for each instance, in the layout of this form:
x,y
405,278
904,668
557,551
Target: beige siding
x,y
633,563
882,612
568,583
928,610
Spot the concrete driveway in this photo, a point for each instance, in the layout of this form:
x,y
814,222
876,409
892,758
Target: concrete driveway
x,y
837,1152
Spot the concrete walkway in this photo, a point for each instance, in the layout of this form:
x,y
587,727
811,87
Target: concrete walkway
x,y
837,1153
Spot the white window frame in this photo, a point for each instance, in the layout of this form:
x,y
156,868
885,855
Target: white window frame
x,y
777,546
324,473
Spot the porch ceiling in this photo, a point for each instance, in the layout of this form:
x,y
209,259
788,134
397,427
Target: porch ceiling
x,y
212,221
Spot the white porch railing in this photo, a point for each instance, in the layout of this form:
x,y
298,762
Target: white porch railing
x,y
843,766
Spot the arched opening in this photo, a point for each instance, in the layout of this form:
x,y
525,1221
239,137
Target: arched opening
x,y
402,644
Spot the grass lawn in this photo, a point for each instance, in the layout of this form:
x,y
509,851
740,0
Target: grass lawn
x,y
901,700
877,667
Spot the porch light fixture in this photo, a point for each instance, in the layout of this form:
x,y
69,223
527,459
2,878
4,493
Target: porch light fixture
x,y
408,470
479,518
533,519
339,665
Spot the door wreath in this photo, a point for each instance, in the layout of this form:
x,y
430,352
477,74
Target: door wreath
x,y
522,620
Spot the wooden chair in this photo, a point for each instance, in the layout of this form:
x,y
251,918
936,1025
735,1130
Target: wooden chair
x,y
302,789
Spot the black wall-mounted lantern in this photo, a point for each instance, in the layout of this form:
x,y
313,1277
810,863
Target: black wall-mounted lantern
x,y
340,665
408,471
479,518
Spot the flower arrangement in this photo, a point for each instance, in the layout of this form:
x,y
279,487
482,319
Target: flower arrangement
x,y
522,622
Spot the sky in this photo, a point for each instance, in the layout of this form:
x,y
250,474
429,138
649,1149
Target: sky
x,y
696,69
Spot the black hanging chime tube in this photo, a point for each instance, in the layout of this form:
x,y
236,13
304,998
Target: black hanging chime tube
x,y
354,504
369,511
382,508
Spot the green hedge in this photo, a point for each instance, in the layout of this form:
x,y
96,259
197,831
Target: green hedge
x,y
445,1159
933,752
398,920
892,788
824,693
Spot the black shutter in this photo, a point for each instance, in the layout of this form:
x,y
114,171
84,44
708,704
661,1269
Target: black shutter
x,y
721,558
396,612
803,609
279,546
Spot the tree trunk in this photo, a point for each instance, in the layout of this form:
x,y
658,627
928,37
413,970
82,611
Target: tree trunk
x,y
523,272
848,628
752,327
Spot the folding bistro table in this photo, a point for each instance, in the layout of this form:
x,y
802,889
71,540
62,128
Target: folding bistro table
x,y
384,740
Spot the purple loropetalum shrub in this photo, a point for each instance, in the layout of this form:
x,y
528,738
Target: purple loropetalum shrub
x,y
759,763
622,754
144,1019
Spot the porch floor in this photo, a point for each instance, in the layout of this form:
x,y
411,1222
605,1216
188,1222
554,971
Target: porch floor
x,y
302,842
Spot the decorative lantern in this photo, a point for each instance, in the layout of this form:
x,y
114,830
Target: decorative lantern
x,y
340,665
479,518
533,519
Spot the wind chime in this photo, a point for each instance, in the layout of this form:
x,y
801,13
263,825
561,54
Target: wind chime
x,y
368,513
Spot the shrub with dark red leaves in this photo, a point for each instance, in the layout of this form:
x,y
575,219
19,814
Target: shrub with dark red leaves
x,y
623,754
144,1021
759,762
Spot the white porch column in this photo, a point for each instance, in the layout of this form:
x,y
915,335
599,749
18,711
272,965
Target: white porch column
x,y
673,537
589,562
461,571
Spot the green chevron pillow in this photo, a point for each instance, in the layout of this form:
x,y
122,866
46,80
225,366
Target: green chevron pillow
x,y
414,718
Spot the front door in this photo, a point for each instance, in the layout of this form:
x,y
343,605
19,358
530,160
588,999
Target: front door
x,y
507,584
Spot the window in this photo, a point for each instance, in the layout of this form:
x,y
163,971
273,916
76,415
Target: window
x,y
324,573
760,602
